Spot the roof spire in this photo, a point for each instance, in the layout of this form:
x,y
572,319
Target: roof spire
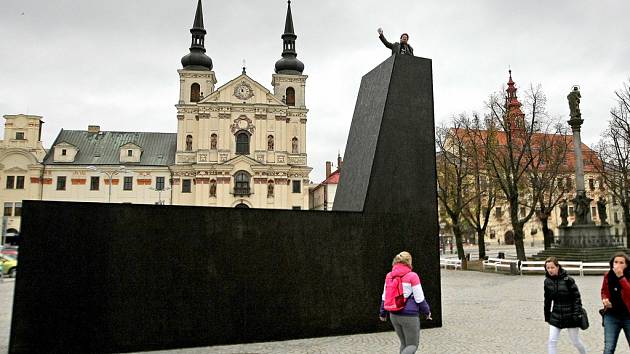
x,y
514,114
197,59
289,64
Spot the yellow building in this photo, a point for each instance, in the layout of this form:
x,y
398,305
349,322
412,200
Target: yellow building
x,y
239,145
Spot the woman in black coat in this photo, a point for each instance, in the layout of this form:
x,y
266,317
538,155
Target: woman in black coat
x,y
562,293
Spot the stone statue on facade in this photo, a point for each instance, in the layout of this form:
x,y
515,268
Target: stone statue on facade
x,y
574,103
213,188
564,213
270,188
401,47
270,143
601,210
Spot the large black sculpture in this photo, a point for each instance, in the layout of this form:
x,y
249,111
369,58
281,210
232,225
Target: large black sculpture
x,y
115,278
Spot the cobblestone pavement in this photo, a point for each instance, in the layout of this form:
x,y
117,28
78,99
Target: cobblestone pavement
x,y
483,313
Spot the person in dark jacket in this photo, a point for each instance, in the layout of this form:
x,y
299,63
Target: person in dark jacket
x,y
401,47
562,293
616,299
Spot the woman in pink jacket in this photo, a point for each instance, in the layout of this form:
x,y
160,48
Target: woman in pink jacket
x,y
403,299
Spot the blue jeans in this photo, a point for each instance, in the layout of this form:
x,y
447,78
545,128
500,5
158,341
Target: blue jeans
x,y
612,327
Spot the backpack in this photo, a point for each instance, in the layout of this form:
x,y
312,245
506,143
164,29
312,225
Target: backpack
x,y
394,296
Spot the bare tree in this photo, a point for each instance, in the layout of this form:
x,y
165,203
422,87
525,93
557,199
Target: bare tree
x,y
453,177
484,196
613,152
512,135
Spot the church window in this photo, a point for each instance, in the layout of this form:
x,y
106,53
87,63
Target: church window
x,y
241,183
189,140
297,187
195,90
186,186
294,146
19,135
290,96
242,143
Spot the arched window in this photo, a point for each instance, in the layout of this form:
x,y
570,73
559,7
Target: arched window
x,y
270,143
290,96
195,90
242,206
188,142
213,142
241,183
242,143
294,146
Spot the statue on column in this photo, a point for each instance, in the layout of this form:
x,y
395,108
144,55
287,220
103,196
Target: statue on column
x,y
601,210
581,204
564,213
574,103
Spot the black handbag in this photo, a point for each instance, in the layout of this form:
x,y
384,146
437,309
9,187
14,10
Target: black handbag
x,y
602,312
583,319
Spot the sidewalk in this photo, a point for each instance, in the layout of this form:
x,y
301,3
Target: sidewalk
x,y
483,313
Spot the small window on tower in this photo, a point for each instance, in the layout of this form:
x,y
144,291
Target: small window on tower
x,y
19,135
195,90
290,96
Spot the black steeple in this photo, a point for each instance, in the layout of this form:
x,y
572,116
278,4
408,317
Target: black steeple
x,y
197,58
289,64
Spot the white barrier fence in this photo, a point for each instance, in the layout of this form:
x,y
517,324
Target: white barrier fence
x,y
511,265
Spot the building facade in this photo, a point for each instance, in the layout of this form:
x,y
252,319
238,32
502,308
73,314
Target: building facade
x,y
238,145
241,145
21,155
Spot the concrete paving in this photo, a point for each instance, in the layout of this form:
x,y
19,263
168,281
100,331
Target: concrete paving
x,y
483,313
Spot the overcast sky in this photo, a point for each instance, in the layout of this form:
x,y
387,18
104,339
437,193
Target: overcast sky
x,y
114,63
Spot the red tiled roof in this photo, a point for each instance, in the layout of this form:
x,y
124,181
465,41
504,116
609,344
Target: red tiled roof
x,y
333,178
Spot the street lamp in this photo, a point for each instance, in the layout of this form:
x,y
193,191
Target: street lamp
x,y
160,190
109,174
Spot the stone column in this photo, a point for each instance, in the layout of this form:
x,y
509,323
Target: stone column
x,y
582,204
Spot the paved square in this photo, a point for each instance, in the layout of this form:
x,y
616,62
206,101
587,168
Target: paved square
x,y
483,313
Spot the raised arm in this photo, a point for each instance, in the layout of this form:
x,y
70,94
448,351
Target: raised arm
x,y
382,38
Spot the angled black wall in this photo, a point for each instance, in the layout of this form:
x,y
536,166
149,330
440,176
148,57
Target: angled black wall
x,y
116,278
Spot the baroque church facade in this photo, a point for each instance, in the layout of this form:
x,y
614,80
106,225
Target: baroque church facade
x,y
237,145
241,145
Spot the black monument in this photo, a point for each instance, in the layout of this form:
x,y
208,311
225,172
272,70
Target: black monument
x,y
98,278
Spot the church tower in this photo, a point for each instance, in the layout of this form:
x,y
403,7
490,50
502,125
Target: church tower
x,y
196,80
515,118
289,85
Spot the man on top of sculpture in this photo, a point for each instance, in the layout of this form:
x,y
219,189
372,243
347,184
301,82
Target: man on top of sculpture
x,y
401,47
